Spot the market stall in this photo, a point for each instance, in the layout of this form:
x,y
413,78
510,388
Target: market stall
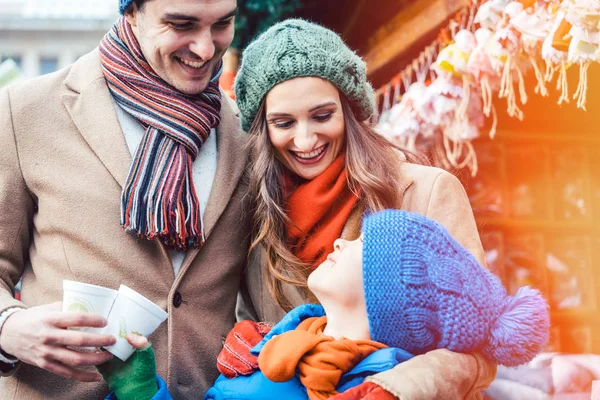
x,y
506,96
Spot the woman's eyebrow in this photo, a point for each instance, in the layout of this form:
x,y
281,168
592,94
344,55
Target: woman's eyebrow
x,y
330,103
278,114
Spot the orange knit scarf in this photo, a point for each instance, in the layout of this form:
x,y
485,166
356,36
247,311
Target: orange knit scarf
x,y
318,210
320,360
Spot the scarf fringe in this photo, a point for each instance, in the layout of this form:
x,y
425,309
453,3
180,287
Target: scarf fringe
x,y
164,205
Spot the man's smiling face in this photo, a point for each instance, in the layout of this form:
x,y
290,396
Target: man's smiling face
x,y
184,40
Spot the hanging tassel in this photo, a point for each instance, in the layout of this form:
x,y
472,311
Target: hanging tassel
x,y
454,151
461,111
507,90
559,81
472,13
397,96
581,93
473,156
522,92
513,108
486,95
376,115
439,154
564,87
448,147
412,143
506,79
541,86
458,149
494,122
484,98
550,70
467,158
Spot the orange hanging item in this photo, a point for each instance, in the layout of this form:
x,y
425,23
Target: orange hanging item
x,y
226,83
562,39
527,3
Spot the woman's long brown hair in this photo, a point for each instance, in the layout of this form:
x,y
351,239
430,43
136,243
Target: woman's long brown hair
x,y
372,164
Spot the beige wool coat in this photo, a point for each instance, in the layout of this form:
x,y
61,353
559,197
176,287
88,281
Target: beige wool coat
x,y
63,162
439,374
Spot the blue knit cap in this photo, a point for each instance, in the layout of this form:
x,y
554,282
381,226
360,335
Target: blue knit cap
x,y
123,4
425,291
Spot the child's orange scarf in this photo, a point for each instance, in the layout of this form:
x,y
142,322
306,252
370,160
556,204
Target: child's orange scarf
x,y
320,360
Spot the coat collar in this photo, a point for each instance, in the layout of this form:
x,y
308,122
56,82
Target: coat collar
x,y
88,101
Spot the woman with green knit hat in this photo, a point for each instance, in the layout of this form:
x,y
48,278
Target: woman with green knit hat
x,y
319,168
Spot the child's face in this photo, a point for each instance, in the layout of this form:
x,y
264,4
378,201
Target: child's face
x,y
339,277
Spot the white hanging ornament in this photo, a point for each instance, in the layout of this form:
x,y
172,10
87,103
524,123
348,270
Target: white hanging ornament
x,y
584,16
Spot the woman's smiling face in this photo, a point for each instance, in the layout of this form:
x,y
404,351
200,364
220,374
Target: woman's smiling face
x,y
305,124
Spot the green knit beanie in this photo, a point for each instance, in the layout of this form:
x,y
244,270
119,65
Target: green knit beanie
x,y
295,48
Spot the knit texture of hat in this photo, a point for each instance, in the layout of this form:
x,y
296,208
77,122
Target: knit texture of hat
x,y
123,4
295,48
425,291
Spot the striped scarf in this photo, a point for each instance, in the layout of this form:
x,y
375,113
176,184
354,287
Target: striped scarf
x,y
158,198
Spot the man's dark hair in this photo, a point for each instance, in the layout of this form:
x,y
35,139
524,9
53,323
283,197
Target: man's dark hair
x,y
139,4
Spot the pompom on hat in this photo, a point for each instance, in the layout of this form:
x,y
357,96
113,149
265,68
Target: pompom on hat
x,y
297,48
424,291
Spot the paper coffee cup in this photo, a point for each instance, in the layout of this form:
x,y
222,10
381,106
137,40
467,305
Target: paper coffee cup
x,y
131,313
83,297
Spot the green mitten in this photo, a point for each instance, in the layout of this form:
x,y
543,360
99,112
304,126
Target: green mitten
x,y
134,379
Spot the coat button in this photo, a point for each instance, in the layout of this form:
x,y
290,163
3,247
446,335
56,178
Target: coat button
x,y
177,299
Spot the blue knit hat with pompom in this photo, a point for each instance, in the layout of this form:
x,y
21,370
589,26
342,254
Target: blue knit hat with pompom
x,y
425,291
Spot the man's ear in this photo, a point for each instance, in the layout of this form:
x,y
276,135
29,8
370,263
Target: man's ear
x,y
131,14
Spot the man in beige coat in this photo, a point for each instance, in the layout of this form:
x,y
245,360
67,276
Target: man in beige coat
x,y
67,144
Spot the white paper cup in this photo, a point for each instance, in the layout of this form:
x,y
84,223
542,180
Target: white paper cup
x,y
83,297
131,313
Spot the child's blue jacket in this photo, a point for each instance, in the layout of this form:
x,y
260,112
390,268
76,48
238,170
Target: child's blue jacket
x,y
258,387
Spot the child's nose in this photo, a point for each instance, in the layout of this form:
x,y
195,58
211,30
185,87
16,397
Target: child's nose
x,y
339,244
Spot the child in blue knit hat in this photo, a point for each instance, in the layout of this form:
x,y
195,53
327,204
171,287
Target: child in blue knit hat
x,y
403,288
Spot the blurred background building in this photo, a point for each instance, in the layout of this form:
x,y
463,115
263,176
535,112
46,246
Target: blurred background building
x,y
42,36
